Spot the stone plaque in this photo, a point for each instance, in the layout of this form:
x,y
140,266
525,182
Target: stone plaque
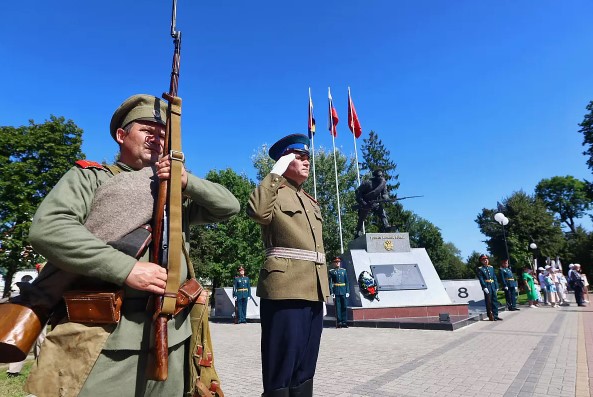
x,y
387,242
398,277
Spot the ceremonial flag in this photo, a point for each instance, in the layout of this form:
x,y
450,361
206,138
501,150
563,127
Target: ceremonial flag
x,y
353,122
333,115
311,117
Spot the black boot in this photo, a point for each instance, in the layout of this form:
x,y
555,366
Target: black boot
x,y
278,393
305,389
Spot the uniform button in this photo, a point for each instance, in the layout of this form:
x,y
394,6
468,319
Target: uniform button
x,y
313,227
273,184
275,179
318,266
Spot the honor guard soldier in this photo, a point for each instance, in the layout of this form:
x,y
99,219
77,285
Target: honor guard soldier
x,y
489,285
293,280
338,285
509,284
241,293
111,359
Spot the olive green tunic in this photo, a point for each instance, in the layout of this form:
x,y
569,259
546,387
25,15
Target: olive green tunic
x,y
289,218
59,234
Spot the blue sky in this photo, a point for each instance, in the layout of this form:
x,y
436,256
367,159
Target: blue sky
x,y
474,99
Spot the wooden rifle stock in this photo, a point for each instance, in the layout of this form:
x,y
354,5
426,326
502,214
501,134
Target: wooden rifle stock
x,y
159,366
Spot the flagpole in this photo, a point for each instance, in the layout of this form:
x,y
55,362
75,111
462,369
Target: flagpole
x,y
332,130
355,149
312,134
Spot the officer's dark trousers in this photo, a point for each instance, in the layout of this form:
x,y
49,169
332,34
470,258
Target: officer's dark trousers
x,y
511,297
493,300
242,309
578,293
291,332
341,309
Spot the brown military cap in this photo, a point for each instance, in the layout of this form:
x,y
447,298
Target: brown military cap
x,y
138,107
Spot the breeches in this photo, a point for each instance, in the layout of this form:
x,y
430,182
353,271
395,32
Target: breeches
x,y
291,332
121,373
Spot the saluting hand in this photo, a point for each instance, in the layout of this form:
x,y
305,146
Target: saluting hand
x,y
148,276
282,164
163,170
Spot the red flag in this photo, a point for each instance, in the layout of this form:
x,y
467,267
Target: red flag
x,y
353,122
333,116
311,117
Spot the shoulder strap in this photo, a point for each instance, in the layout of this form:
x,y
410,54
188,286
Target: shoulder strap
x,y
84,164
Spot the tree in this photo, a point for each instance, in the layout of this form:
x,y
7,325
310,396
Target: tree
x,y
529,222
32,160
587,131
566,196
376,157
217,250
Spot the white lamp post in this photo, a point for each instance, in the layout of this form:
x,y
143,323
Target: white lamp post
x,y
503,220
533,246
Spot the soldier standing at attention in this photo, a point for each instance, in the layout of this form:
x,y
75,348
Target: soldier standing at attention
x,y
293,280
241,293
338,285
489,284
509,285
82,359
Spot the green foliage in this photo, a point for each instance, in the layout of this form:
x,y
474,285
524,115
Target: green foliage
x,y
32,160
587,131
13,387
529,221
217,250
566,196
376,157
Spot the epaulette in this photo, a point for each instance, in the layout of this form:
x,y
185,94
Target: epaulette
x,y
89,164
308,195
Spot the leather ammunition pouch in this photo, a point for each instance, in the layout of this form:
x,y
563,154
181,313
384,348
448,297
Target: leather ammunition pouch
x,y
25,315
93,307
19,329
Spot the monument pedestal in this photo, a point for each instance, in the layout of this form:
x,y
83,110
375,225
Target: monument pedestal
x,y
409,288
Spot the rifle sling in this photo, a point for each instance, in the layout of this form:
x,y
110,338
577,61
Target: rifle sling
x,y
175,235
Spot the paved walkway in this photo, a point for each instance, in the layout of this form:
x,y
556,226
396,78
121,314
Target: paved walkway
x,y
533,352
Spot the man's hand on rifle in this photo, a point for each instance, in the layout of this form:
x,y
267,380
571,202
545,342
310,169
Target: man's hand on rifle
x,y
486,290
148,276
163,171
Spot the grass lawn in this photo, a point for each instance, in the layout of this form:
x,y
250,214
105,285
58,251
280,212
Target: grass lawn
x,y
13,387
521,298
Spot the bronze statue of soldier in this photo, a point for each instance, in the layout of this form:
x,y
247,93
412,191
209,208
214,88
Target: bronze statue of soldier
x,y
370,196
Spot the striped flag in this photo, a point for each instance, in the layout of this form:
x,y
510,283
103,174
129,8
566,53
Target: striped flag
x,y
332,115
311,117
353,122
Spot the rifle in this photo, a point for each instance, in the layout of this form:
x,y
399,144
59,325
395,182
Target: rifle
x,y
253,300
166,218
372,202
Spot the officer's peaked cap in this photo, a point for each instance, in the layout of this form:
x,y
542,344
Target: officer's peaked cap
x,y
337,259
138,107
240,268
483,256
296,142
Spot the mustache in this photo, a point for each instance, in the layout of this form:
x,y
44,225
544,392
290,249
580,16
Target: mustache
x,y
153,143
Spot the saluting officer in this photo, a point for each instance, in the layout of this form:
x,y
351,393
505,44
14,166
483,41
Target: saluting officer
x,y
338,285
241,293
489,284
509,284
293,280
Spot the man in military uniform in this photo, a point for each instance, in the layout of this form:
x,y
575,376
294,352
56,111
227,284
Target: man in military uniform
x,y
509,284
241,293
489,285
338,285
370,196
293,280
85,359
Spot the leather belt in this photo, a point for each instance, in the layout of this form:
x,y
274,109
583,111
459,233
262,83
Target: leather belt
x,y
339,284
511,279
295,253
489,281
242,289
